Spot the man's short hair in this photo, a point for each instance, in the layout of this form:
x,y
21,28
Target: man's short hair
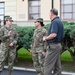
x,y
54,11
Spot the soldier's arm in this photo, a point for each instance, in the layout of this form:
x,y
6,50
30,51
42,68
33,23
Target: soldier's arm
x,y
45,42
32,45
15,38
31,50
3,37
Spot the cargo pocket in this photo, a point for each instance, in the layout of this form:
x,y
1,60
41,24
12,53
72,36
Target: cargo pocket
x,y
35,57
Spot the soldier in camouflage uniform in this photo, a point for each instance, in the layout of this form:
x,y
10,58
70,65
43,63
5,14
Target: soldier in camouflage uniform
x,y
8,38
38,47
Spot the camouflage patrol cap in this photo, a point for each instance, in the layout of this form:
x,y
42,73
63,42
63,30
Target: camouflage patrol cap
x,y
39,20
8,19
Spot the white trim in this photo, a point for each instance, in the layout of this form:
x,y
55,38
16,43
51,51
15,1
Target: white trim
x,y
20,68
28,69
70,73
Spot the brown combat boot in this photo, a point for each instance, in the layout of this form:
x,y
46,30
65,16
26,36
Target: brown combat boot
x,y
9,72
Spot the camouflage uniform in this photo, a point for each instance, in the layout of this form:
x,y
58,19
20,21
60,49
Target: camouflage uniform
x,y
38,46
5,49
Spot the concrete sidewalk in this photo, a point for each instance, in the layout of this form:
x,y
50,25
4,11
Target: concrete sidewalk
x,y
27,71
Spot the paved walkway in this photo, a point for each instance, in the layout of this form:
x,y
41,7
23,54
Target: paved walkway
x,y
25,71
19,72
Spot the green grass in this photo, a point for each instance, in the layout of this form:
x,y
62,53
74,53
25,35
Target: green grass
x,y
23,54
25,60
66,56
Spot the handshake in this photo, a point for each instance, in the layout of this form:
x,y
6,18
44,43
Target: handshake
x,y
44,38
9,33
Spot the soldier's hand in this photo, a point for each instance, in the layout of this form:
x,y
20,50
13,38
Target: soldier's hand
x,y
9,33
44,53
44,38
11,44
30,51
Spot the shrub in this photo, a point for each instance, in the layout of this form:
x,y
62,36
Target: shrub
x,y
26,33
25,36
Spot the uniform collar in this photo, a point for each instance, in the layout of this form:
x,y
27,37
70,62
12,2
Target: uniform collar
x,y
39,29
7,27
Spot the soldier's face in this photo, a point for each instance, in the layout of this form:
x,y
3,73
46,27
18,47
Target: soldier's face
x,y
36,24
9,22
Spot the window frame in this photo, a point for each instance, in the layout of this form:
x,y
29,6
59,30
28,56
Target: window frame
x,y
38,13
62,17
4,10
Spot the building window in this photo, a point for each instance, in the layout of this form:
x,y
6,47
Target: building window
x,y
67,9
1,10
34,9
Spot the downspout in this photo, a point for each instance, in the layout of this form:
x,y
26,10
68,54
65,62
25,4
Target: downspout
x,y
52,4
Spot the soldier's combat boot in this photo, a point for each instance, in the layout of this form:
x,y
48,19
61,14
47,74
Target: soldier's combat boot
x,y
9,72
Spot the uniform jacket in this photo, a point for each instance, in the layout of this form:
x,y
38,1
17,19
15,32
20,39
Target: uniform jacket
x,y
8,39
38,44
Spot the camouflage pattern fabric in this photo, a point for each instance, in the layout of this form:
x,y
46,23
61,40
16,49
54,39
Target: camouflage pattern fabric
x,y
3,55
38,61
37,43
5,49
37,47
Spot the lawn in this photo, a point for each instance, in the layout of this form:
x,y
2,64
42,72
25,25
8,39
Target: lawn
x,y
24,54
66,57
25,60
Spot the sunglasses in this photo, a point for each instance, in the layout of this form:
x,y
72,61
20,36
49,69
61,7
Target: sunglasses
x,y
36,21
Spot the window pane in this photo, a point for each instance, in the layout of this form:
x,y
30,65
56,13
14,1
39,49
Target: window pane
x,y
39,3
73,8
73,1
74,15
68,8
1,11
62,8
1,17
1,5
67,15
33,10
62,16
67,2
34,16
34,3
